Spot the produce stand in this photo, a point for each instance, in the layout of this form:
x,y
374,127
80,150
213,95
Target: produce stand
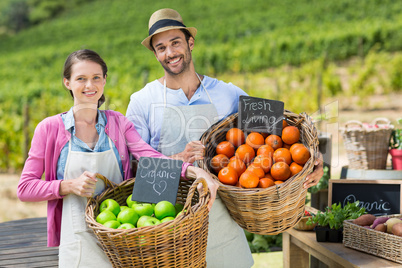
x,y
23,244
298,246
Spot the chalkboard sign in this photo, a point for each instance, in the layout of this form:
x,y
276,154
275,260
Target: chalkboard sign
x,y
378,197
261,115
157,179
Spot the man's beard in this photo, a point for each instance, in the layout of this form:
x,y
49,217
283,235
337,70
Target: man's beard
x,y
185,65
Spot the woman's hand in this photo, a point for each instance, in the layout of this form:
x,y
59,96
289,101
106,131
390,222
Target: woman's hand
x,y
83,186
196,172
317,174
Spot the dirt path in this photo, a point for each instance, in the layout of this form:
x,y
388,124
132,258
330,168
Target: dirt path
x,y
12,207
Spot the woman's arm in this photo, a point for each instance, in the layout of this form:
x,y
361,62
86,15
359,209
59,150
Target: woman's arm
x,y
31,187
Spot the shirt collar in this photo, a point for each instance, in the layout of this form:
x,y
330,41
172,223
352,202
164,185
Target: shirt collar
x,y
69,121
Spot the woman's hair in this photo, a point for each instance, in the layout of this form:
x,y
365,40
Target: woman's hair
x,y
82,55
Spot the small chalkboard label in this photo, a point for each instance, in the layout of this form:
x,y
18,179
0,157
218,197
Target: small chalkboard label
x,y
378,197
261,115
157,179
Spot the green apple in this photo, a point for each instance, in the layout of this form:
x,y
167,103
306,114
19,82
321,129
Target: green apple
x,y
105,216
179,207
141,221
164,209
128,216
126,226
110,204
149,221
167,219
130,202
112,224
143,209
123,208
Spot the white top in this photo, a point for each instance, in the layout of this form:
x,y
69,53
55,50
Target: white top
x,y
145,109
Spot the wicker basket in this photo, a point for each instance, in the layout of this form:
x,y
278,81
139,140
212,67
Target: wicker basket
x,y
181,242
384,245
266,211
367,148
301,225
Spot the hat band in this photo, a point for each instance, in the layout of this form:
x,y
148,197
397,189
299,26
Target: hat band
x,y
164,23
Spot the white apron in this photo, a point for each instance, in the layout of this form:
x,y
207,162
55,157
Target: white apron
x,y
78,245
227,246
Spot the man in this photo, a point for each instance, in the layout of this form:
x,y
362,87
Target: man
x,y
173,111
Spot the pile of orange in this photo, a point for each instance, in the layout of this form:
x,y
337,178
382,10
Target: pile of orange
x,y
259,160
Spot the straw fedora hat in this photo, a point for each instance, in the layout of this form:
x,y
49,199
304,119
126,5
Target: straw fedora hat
x,y
163,20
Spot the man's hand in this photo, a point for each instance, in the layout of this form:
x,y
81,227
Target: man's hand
x,y
83,186
194,151
317,174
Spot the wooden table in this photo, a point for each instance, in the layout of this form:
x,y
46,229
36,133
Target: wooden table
x,y
298,245
23,244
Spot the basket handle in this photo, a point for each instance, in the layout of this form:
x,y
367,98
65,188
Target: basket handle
x,y
351,122
204,194
108,183
381,119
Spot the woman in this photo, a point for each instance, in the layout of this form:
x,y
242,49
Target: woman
x,y
70,148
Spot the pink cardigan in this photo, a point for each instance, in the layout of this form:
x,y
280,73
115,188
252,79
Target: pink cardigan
x,y
49,138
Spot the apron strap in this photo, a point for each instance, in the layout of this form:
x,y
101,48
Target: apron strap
x,y
202,84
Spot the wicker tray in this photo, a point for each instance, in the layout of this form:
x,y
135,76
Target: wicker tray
x,y
301,225
367,148
384,245
271,210
178,243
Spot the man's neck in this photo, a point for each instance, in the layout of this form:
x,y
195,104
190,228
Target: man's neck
x,y
187,81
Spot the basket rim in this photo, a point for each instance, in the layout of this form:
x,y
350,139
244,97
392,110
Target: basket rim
x,y
189,211
309,165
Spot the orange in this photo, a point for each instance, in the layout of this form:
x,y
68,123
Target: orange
x,y
218,162
285,145
237,165
294,145
245,153
284,123
266,150
263,161
256,170
255,140
274,141
269,176
265,183
282,155
225,148
290,135
228,175
295,168
280,171
264,134
235,136
278,182
249,180
300,155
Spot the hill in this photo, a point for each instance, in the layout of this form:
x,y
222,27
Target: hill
x,y
243,37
